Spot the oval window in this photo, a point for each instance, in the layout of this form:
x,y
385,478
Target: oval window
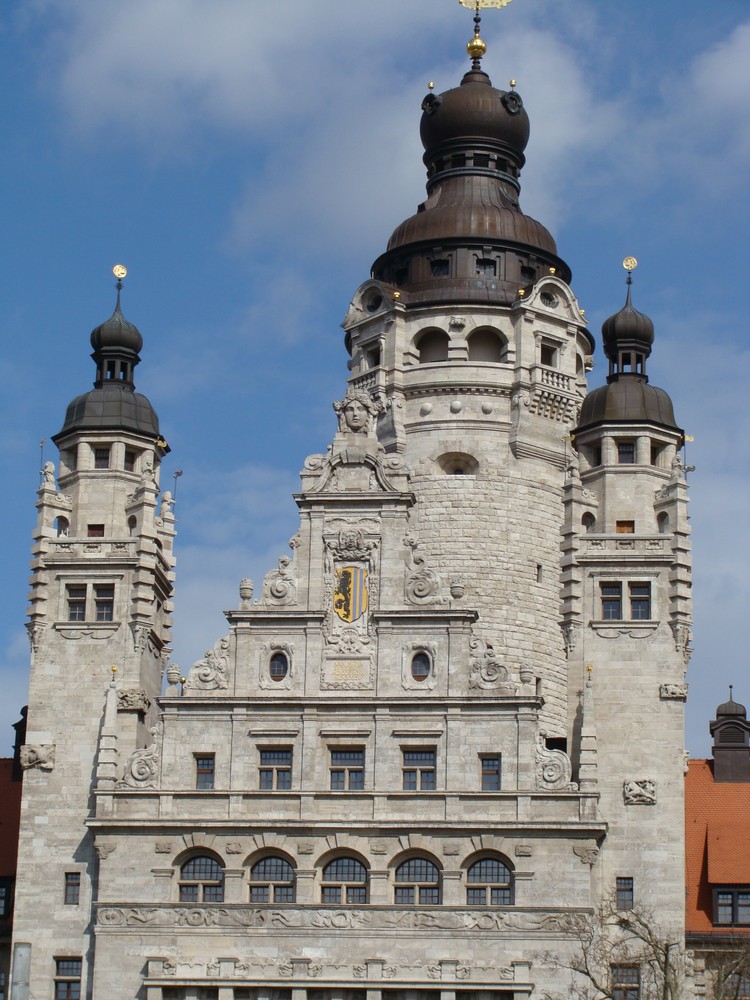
x,y
420,666
278,667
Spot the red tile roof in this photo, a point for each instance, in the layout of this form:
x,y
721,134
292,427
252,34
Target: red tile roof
x,y
717,842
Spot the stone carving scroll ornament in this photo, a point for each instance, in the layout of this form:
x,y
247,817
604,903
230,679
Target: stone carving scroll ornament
x,y
422,584
41,755
142,766
553,768
487,672
210,673
280,585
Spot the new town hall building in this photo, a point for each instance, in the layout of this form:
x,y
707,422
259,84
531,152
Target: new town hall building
x,y
449,725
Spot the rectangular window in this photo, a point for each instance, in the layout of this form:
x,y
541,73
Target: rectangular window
x,y
490,773
640,601
72,888
419,770
101,458
275,769
625,527
626,982
68,978
204,771
439,268
347,770
486,268
611,601
624,893
95,531
548,356
6,896
104,601
732,906
738,986
626,452
76,597
129,464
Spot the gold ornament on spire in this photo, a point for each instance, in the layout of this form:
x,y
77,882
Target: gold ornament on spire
x,y
478,4
630,263
476,47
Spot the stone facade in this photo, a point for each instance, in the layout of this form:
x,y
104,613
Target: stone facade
x,y
422,756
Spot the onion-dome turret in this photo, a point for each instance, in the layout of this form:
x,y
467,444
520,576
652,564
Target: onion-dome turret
x,y
113,404
627,397
469,240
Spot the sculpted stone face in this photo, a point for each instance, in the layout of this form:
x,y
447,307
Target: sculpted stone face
x,y
355,416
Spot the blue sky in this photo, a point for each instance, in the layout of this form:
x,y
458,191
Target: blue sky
x,y
247,161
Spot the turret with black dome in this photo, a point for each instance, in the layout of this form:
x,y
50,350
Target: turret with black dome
x,y
627,338
113,404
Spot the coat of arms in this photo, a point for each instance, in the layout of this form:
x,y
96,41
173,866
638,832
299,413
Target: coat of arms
x,y
350,594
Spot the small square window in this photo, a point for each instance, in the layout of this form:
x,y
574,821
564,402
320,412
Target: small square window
x,y
624,892
626,452
548,356
95,531
204,771
101,458
72,888
490,773
275,769
418,770
76,598
347,770
625,527
104,601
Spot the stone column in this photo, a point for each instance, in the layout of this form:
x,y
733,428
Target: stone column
x,y
643,450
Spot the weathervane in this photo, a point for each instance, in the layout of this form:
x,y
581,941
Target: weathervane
x,y
119,271
477,47
630,264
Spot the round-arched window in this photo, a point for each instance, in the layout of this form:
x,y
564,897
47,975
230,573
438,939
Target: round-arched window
x,y
344,881
202,880
278,668
433,346
418,881
489,883
421,667
272,881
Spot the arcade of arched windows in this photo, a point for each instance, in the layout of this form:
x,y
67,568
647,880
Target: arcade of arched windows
x,y
343,878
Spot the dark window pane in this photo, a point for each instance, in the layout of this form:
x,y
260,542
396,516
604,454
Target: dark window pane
x,y
338,781
410,781
259,893
626,452
490,774
345,870
356,780
283,779
624,893
72,888
429,895
427,781
476,897
331,894
405,895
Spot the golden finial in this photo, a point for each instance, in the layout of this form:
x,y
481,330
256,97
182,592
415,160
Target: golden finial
x,y
521,292
183,680
396,296
476,47
431,85
589,668
553,270
114,671
630,263
512,84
